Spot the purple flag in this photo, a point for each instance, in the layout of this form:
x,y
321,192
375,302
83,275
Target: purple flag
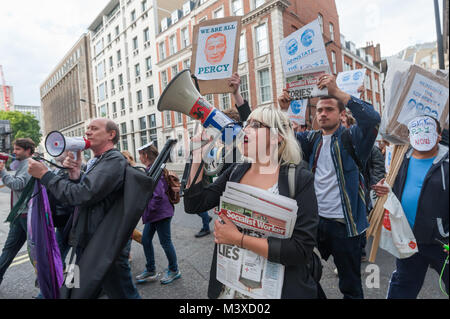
x,y
43,248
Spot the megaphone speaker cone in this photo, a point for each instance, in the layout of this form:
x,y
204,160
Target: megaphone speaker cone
x,y
55,143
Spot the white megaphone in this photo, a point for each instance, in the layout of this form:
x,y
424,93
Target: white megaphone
x,y
181,96
56,144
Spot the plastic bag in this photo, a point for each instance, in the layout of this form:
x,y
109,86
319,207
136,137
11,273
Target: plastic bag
x,y
397,237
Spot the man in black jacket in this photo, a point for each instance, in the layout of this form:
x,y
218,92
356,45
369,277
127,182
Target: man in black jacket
x,y
422,188
94,193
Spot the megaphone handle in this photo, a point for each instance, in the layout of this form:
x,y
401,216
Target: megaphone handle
x,y
196,82
74,155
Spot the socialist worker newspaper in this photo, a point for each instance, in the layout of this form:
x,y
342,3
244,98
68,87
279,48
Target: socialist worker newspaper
x,y
258,213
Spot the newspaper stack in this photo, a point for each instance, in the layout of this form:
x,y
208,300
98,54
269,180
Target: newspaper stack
x,y
258,213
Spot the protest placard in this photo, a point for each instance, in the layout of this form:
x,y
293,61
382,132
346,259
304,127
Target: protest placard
x,y
351,81
411,91
304,59
215,52
297,111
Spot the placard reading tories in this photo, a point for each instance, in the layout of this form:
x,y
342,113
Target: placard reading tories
x,y
304,59
215,52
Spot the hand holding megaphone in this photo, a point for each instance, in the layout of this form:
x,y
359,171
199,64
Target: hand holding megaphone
x,y
73,164
36,169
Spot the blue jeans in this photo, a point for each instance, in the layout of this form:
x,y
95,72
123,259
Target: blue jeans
x,y
205,220
346,252
17,236
118,282
407,279
163,229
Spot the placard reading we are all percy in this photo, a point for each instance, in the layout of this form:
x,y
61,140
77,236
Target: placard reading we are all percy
x,y
215,53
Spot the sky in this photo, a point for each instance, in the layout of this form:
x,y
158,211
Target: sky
x,y
36,34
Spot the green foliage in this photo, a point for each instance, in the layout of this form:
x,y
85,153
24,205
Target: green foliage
x,y
22,125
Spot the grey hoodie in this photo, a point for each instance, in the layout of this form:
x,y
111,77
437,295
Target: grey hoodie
x,y
17,182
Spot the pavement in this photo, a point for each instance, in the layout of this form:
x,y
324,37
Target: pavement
x,y
194,259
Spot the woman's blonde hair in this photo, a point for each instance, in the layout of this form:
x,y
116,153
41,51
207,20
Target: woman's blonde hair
x,y
289,150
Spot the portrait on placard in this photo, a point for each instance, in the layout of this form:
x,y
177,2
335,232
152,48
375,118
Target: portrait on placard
x,y
216,51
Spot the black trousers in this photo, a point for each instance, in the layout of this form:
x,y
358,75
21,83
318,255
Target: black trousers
x,y
346,252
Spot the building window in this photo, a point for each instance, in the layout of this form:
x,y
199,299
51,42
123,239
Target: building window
x,y
148,63
135,43
225,101
119,56
331,31
150,92
113,86
164,79
168,118
174,70
101,90
172,45
333,61
264,86
218,13
120,79
142,123
117,31
144,5
114,107
258,3
179,118
162,51
143,138
262,45
244,88
137,70
320,17
102,111
111,62
242,49
152,120
122,105
236,8
146,35
184,38
139,97
187,64
210,98
133,15
100,71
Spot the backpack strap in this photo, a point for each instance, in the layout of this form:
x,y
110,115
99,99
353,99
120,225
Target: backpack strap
x,y
291,180
346,139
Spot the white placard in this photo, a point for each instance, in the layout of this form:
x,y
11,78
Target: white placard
x,y
215,51
350,81
425,97
303,51
297,111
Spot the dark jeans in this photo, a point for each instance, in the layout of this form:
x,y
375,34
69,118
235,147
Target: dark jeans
x,y
17,236
163,229
205,220
118,282
346,252
407,279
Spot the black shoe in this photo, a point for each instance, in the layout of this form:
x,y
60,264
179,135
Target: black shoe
x,y
202,233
